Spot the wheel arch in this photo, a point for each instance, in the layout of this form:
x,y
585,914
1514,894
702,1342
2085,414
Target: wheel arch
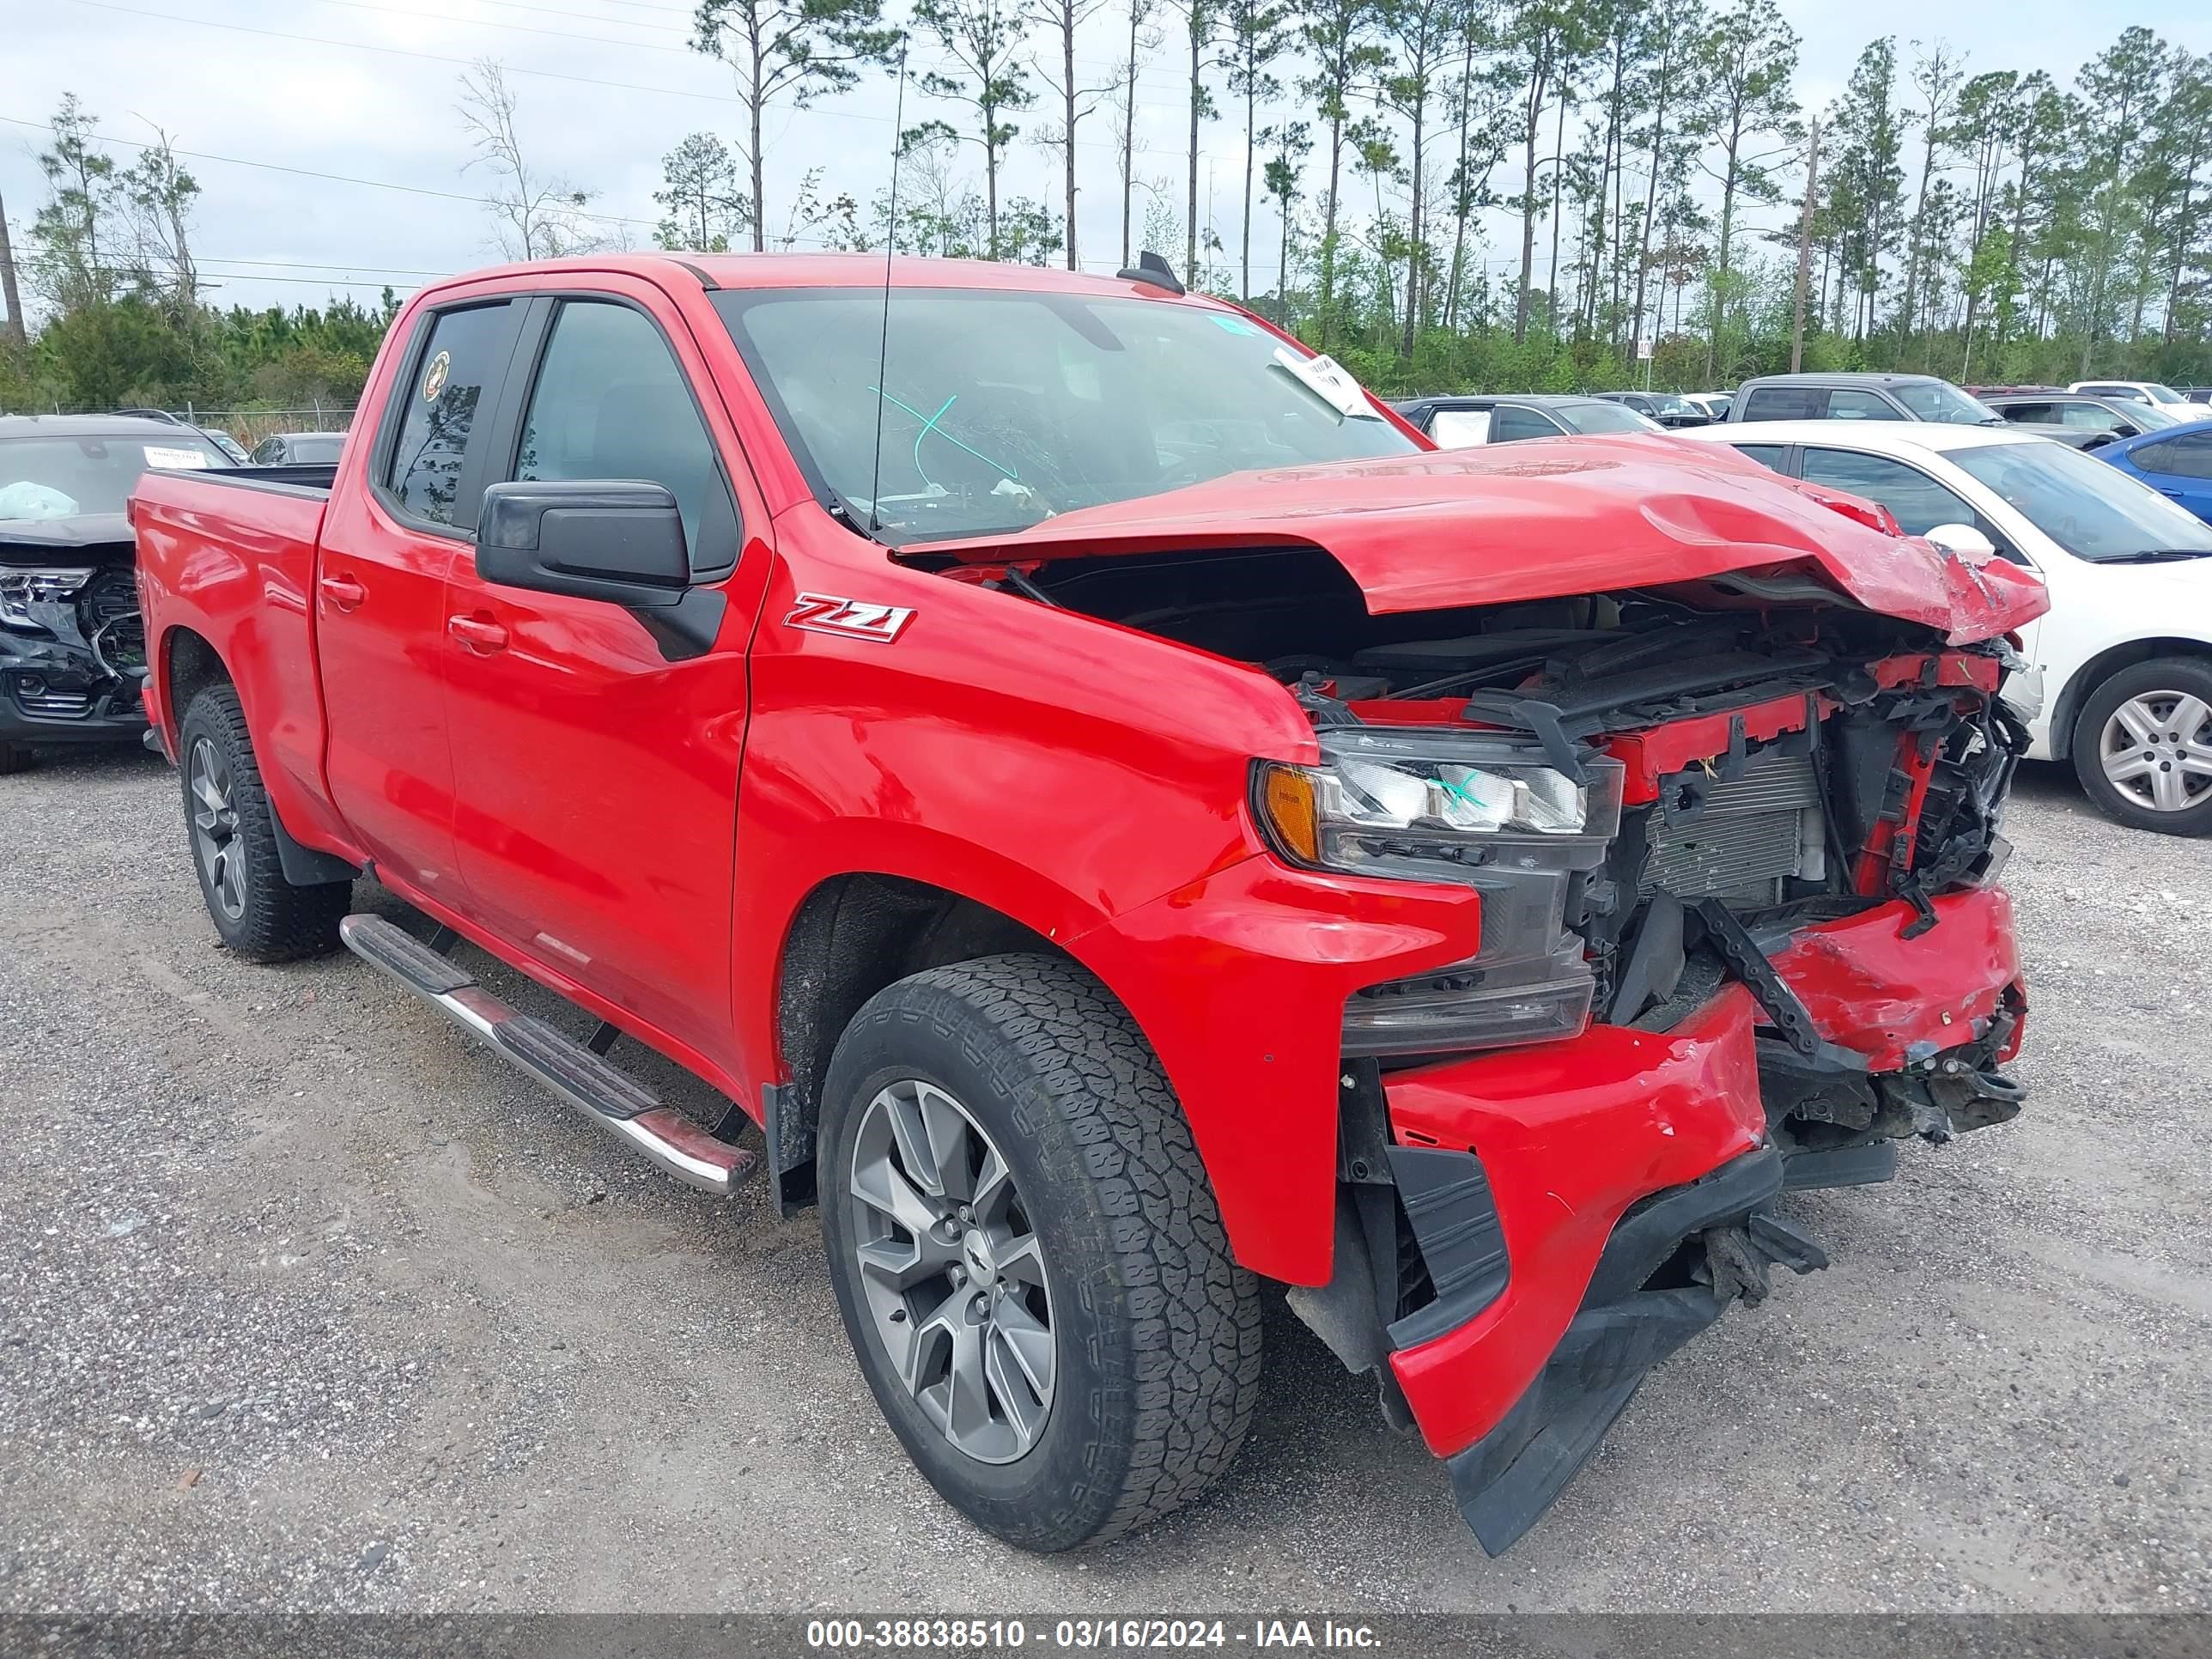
x,y
2066,708
851,935
187,663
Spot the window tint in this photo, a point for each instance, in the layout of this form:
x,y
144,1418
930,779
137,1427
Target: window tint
x,y
465,353
1784,403
1512,422
266,450
1767,455
610,402
1460,428
1595,416
1845,405
1919,502
2188,456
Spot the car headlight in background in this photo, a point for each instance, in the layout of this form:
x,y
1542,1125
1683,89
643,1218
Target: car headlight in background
x,y
1420,804
21,588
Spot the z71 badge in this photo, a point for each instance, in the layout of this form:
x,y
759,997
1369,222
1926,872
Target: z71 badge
x,y
851,619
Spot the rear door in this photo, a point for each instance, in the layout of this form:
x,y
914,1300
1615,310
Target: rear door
x,y
2179,467
598,809
380,596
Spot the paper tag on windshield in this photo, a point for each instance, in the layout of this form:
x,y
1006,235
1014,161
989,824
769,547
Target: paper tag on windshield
x,y
1330,379
174,459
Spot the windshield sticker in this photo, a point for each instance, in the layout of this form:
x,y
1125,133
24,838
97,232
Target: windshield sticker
x,y
1234,326
434,377
1328,380
190,460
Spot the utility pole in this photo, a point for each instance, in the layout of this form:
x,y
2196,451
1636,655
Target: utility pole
x,y
1805,248
11,327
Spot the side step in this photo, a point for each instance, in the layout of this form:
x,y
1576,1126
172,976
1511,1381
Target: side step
x,y
617,1102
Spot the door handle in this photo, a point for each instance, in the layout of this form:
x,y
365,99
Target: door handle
x,y
342,591
479,635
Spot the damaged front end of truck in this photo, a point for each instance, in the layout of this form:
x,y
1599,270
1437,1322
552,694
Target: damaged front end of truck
x,y
1725,763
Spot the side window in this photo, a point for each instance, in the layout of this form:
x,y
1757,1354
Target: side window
x,y
1511,424
1784,403
266,450
1460,428
1844,405
466,354
2188,456
1919,502
2033,413
1767,455
2089,417
611,402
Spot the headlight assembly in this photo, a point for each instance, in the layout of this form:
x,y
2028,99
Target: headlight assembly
x,y
21,588
1424,805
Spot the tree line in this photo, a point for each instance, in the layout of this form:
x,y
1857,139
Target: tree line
x,y
1509,194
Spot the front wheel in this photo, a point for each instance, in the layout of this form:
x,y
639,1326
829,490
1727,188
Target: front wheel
x,y
14,757
2143,746
1027,1253
233,831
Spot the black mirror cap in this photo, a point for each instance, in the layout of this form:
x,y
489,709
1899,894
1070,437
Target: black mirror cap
x,y
619,540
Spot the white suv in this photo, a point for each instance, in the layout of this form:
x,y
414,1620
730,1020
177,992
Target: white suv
x,y
2124,653
2142,392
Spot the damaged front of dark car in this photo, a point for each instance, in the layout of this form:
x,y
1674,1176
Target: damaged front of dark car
x,y
72,645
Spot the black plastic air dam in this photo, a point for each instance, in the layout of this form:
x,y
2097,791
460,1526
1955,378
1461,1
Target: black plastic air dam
x,y
1504,1482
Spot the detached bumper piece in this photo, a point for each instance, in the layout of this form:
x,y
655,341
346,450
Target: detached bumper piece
x,y
1671,1267
617,1102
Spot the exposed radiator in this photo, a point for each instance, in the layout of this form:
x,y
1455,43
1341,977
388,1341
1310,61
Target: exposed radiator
x,y
1752,836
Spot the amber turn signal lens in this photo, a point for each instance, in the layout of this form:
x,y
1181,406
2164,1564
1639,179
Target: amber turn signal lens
x,y
1286,796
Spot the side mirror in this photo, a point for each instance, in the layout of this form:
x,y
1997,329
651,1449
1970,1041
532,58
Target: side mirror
x,y
1964,540
612,539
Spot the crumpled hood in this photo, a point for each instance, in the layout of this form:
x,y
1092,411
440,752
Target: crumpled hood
x,y
1545,520
97,535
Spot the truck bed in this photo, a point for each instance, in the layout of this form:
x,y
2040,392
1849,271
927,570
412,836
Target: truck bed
x,y
227,558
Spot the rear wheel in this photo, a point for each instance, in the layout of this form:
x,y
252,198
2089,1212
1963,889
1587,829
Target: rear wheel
x,y
1027,1253
2143,746
233,831
14,757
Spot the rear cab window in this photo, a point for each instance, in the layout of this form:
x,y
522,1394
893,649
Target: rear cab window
x,y
434,413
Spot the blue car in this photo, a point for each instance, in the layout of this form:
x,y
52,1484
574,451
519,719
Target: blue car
x,y
2174,460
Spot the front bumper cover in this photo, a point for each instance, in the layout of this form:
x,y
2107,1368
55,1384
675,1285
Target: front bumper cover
x,y
1628,1173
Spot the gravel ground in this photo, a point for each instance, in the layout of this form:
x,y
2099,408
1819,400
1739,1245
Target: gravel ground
x,y
306,1302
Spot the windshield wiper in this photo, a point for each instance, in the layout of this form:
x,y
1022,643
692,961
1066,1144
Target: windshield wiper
x,y
2158,555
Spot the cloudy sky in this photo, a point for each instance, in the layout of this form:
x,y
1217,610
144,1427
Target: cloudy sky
x,y
324,132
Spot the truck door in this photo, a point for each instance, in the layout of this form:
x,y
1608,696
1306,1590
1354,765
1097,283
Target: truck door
x,y
598,768
380,592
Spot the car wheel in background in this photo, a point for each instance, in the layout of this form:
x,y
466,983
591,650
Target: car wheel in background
x,y
14,757
1027,1253
2143,745
233,832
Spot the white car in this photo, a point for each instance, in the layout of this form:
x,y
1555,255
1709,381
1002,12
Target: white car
x,y
2124,653
2142,392
1714,404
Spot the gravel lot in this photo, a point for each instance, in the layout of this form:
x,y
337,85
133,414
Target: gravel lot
x,y
305,1301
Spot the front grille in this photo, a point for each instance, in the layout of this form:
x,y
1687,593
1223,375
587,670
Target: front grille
x,y
107,610
1746,841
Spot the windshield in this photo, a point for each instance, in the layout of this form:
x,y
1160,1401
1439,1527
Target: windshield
x,y
1667,404
62,477
2093,510
1002,408
1596,416
2150,416
1936,400
2161,393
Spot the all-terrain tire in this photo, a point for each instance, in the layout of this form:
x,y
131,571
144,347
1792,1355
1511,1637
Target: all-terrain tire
x,y
14,757
1156,1328
2186,676
274,921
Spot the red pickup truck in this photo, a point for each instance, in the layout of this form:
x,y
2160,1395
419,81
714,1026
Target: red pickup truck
x,y
1124,819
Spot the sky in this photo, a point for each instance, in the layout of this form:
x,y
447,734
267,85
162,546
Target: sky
x,y
364,91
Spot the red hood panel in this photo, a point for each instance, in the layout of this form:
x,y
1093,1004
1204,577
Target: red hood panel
x,y
1545,520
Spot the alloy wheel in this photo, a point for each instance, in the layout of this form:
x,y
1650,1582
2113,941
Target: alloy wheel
x,y
2156,749
952,1270
215,829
